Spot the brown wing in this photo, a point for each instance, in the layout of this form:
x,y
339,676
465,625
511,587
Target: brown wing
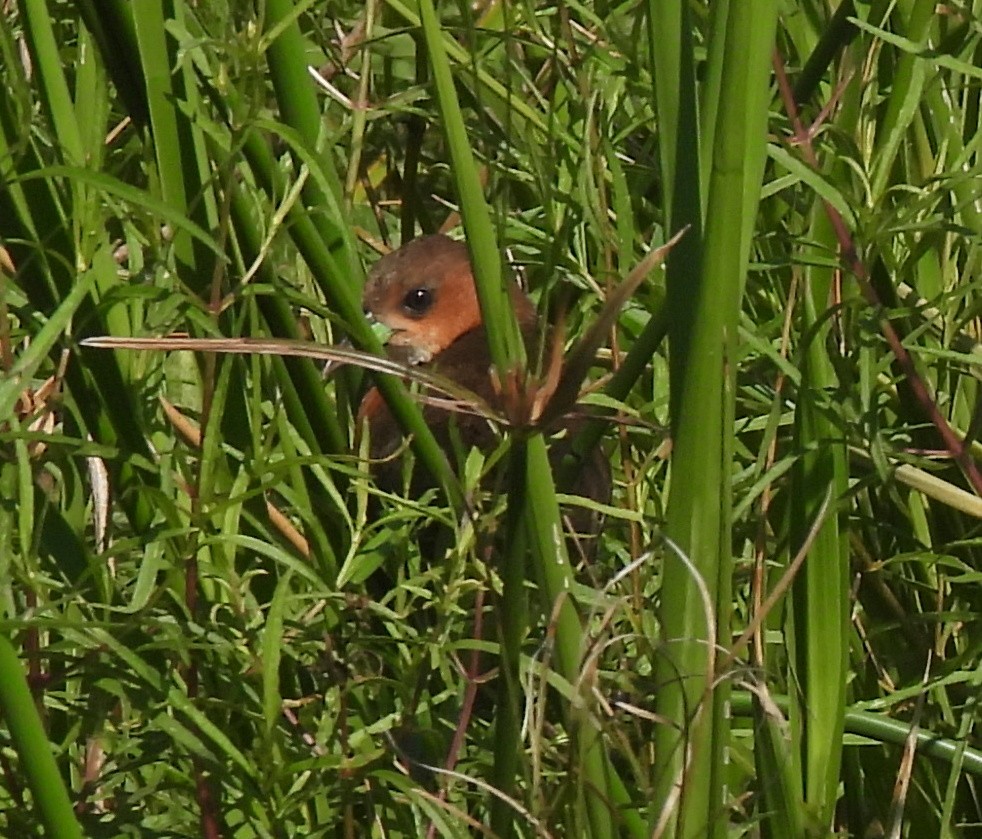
x,y
467,363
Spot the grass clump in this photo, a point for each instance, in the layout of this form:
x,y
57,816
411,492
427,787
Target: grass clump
x,y
216,623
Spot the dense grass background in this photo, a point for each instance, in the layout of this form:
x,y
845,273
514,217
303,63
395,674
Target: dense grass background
x,y
213,622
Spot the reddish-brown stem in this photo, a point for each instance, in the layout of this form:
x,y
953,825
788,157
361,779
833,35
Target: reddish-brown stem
x,y
857,267
467,708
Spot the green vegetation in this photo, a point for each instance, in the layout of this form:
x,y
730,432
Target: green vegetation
x,y
214,623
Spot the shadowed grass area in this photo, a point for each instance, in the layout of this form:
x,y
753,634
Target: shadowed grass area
x,y
217,624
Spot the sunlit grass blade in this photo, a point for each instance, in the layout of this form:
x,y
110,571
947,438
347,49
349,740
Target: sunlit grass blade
x,y
33,749
178,145
300,109
504,340
705,294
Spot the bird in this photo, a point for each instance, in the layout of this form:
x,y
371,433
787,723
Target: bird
x,y
424,294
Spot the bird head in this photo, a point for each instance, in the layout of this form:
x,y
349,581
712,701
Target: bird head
x,y
424,293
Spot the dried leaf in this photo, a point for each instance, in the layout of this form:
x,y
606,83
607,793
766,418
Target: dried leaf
x,y
459,398
581,358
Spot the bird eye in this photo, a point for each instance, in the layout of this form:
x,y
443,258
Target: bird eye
x,y
418,301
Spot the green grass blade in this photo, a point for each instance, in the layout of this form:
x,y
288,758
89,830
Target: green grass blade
x,y
504,340
41,772
705,295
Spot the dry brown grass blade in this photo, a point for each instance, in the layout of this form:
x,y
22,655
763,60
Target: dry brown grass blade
x,y
460,398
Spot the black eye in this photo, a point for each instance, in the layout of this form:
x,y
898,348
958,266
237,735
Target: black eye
x,y
418,301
